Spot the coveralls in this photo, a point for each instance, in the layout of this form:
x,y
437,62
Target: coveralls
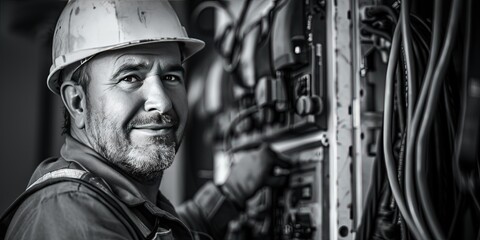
x,y
70,210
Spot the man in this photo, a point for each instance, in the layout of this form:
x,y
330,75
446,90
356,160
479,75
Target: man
x,y
117,66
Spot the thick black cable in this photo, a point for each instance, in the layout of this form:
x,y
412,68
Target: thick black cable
x,y
409,62
464,98
475,200
401,159
211,4
383,9
366,225
411,95
400,98
422,23
387,138
420,58
231,62
448,114
430,108
421,45
456,213
412,131
377,32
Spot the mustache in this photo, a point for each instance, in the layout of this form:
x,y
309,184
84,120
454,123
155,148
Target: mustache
x,y
156,118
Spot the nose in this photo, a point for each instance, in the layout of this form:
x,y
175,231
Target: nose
x,y
156,98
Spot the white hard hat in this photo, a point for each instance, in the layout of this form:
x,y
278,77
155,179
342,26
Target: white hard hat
x,y
89,27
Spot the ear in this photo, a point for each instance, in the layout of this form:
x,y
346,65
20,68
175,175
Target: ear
x,y
74,99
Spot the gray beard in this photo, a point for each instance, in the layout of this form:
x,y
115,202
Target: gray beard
x,y
144,163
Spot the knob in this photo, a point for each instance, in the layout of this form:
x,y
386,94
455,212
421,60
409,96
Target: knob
x,y
306,105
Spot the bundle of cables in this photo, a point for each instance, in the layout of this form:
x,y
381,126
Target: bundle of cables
x,y
417,179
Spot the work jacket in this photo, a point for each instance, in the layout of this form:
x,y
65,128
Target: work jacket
x,y
72,210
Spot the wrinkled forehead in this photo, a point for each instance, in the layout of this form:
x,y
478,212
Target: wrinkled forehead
x,y
163,54
167,52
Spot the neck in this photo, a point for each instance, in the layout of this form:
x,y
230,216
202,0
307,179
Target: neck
x,y
80,136
149,189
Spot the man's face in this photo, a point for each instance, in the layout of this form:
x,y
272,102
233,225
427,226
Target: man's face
x,y
137,108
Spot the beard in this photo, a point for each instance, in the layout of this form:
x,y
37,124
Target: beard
x,y
143,160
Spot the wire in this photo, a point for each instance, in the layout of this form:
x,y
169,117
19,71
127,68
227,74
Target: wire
x,y
410,67
241,115
376,32
387,121
374,192
475,200
383,9
422,23
464,98
211,4
400,98
401,157
449,113
412,131
430,107
458,207
233,60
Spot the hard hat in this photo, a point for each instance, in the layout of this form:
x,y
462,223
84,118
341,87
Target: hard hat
x,y
89,27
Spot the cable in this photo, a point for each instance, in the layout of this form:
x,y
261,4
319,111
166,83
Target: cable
x,y
418,38
420,59
401,164
377,32
233,60
449,113
422,23
475,200
383,9
211,4
464,100
412,131
387,121
430,107
241,115
410,67
365,229
458,208
400,98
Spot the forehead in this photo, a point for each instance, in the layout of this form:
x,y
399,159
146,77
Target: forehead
x,y
165,54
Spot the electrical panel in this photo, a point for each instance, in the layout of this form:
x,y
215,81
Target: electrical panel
x,y
363,97
274,55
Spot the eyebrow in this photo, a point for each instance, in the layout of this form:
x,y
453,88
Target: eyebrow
x,y
175,68
128,66
135,66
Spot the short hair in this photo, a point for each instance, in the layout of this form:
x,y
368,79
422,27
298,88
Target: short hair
x,y
82,78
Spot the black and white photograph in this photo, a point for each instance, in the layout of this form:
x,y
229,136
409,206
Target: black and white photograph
x,y
239,119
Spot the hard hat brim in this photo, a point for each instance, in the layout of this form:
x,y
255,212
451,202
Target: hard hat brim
x,y
188,46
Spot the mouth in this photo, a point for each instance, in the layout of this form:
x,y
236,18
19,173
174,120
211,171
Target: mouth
x,y
154,129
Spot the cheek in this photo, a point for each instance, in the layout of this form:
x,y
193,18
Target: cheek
x,y
115,109
180,104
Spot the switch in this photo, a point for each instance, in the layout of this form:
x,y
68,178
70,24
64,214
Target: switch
x,y
299,226
300,193
306,105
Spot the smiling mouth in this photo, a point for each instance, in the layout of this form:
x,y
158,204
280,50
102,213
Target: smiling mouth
x,y
155,129
155,126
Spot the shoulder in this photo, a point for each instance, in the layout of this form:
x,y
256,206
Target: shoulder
x,y
67,210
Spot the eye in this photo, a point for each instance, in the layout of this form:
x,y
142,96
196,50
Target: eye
x,y
171,78
130,79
